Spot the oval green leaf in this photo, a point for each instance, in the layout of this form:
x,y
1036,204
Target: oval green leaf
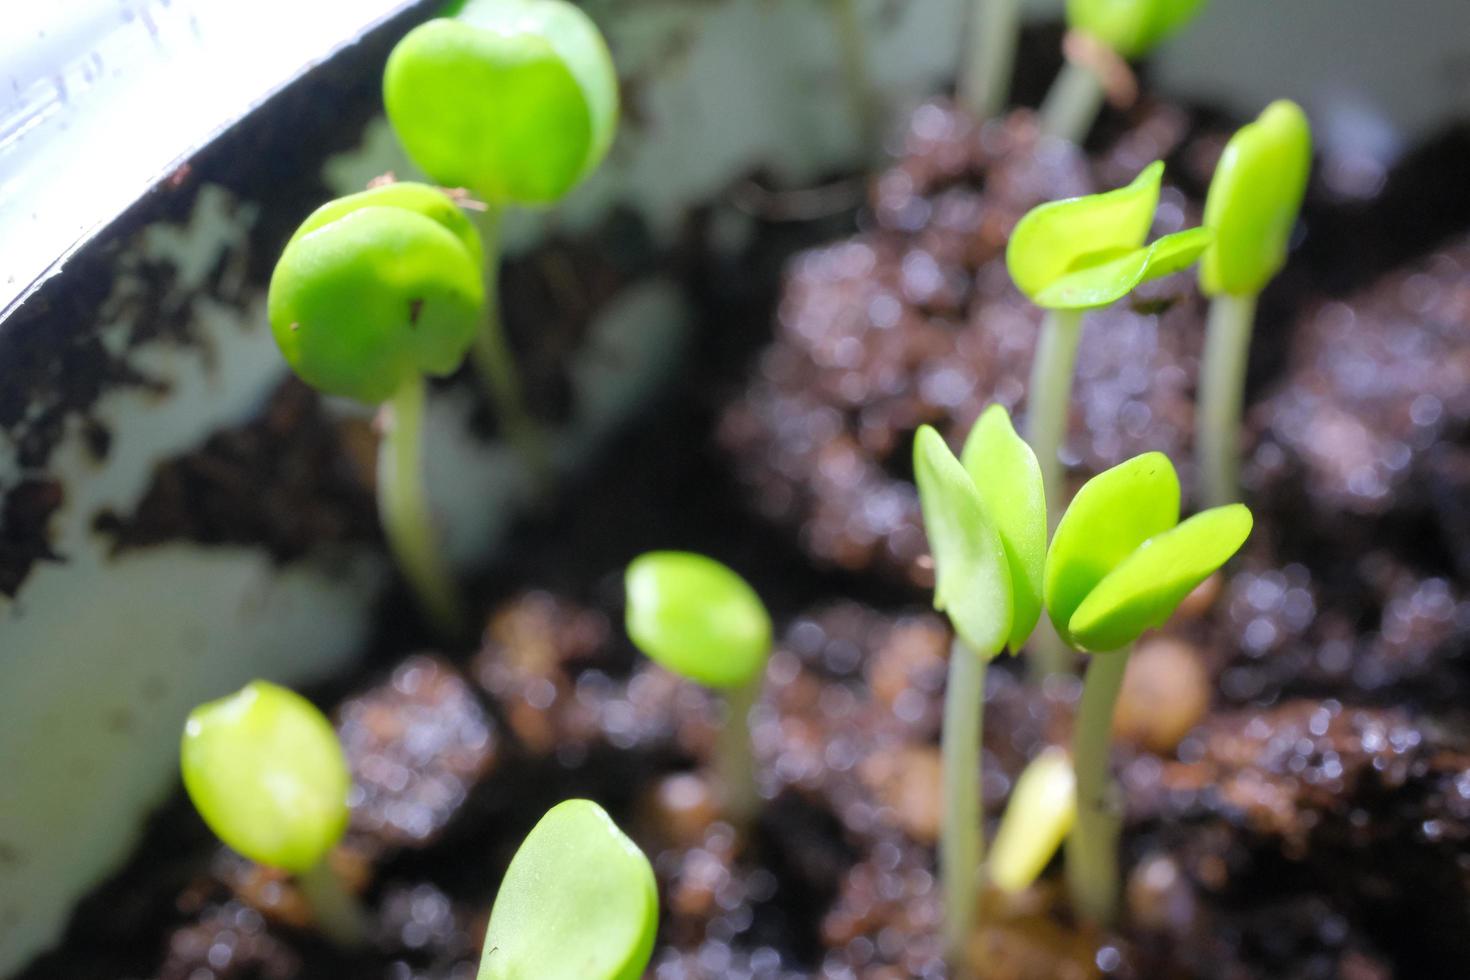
x,y
265,770
360,303
578,903
516,100
1038,817
1008,479
1113,513
697,618
1107,282
1131,27
1254,200
1146,587
1061,237
972,580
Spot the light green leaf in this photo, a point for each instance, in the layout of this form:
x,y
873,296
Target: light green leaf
x,y
578,903
514,99
1038,817
1113,513
972,581
1146,587
1008,479
697,618
1107,282
1060,237
1131,27
1254,200
265,770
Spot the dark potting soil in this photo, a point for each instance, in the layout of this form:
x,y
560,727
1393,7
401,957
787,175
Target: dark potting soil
x,y
1294,757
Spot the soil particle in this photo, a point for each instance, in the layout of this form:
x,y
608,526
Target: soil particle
x,y
417,746
915,321
25,530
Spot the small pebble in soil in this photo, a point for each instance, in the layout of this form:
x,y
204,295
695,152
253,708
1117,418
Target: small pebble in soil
x,y
1166,692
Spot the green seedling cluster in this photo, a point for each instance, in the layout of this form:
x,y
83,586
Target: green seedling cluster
x,y
577,903
265,770
1120,563
702,621
1253,203
985,519
1068,257
542,117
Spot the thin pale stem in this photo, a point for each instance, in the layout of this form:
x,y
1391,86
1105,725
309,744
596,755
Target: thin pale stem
x,y
1221,396
496,365
1092,847
961,841
338,913
1072,105
990,57
404,510
735,756
852,53
1049,399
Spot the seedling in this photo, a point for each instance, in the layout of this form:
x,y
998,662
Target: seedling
x,y
578,903
697,618
985,72
1040,814
1113,30
1120,563
986,523
852,53
265,770
373,292
1253,203
1071,256
516,101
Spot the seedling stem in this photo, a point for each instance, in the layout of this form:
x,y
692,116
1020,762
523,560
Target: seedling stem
x,y
852,53
734,759
403,507
338,914
496,366
961,844
1092,847
1072,103
1222,392
985,76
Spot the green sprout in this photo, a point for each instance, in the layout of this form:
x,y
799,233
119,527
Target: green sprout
x,y
985,520
1120,563
578,903
265,770
985,73
373,292
1253,203
1041,812
1128,30
516,101
1068,257
699,619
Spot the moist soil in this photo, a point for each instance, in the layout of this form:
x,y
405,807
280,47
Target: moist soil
x,y
1292,748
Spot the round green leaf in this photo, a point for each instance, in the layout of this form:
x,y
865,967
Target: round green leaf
x,y
972,579
1107,282
1113,513
372,295
1008,479
1254,200
1061,237
516,100
1131,27
265,770
431,202
578,903
1040,814
697,618
1146,587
